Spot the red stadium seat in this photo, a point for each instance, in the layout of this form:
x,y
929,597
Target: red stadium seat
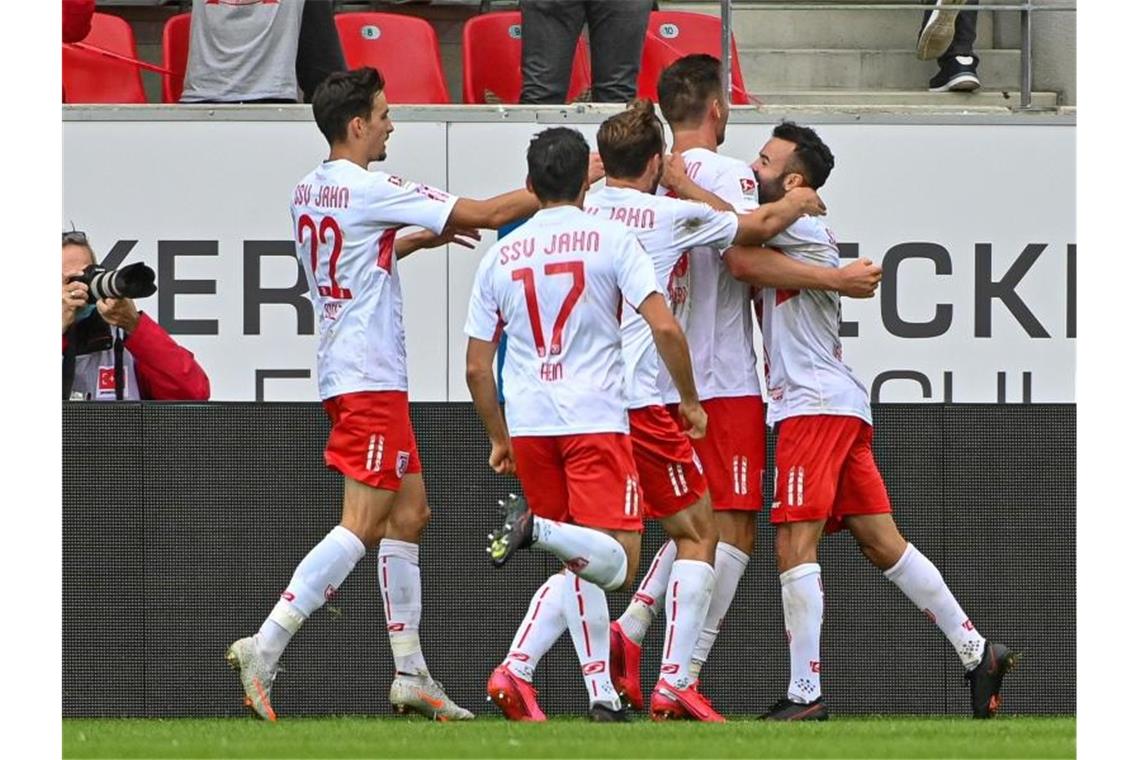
x,y
405,50
175,51
492,59
91,77
675,34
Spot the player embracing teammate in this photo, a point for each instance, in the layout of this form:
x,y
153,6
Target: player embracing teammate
x,y
345,222
826,477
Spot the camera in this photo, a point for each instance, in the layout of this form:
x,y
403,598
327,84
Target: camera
x,y
132,281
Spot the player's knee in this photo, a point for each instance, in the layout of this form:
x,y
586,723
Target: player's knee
x,y
408,523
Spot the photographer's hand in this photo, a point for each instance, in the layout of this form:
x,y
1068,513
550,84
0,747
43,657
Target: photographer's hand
x,y
74,299
119,312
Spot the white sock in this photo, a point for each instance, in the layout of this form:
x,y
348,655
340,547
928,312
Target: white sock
x,y
543,624
588,618
588,553
314,581
730,566
920,580
398,566
686,605
801,589
646,601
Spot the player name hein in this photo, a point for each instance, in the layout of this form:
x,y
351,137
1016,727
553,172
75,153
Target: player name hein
x,y
578,241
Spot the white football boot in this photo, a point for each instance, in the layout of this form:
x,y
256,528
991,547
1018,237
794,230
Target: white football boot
x,y
256,676
424,695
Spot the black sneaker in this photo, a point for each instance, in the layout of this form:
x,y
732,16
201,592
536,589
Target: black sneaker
x,y
957,74
938,32
786,709
599,713
517,531
985,679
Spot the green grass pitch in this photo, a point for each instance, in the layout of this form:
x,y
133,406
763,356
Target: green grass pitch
x,y
358,737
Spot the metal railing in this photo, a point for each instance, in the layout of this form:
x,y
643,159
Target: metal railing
x,y
1026,9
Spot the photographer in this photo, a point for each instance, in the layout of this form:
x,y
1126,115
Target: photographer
x,y
95,334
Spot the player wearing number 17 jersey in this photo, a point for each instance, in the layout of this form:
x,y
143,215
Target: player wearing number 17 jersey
x,y
557,287
826,477
345,222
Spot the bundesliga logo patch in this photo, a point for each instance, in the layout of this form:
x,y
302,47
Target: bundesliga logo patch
x,y
747,186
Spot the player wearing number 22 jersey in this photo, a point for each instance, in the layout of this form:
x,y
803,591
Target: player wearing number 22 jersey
x,y
826,476
345,222
557,287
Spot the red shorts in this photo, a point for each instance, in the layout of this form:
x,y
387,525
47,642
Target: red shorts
x,y
825,471
731,454
371,438
664,457
588,479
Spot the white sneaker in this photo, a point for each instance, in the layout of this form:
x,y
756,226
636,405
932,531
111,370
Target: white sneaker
x,y
256,676
425,696
938,31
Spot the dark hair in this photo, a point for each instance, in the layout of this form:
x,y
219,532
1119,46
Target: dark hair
x,y
627,140
811,158
685,87
342,97
558,160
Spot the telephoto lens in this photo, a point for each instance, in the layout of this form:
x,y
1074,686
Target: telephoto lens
x,y
132,281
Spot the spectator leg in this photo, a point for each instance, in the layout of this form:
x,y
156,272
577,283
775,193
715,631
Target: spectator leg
x,y
318,47
617,36
965,34
550,30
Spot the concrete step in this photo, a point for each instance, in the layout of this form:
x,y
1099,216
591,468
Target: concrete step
x,y
863,69
755,27
904,99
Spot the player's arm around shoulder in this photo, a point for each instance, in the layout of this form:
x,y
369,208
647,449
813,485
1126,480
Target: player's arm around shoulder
x,y
764,267
495,212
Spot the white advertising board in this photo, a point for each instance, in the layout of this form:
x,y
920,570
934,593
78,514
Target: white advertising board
x,y
974,224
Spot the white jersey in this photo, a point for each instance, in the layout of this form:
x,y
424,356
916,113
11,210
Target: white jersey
x,y
557,286
344,224
711,305
666,227
803,358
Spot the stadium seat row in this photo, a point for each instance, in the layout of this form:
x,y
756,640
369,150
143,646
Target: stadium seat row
x,y
405,48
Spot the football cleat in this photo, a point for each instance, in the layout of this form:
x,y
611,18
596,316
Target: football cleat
x,y
424,695
669,702
517,531
515,696
256,676
986,677
603,713
786,709
625,667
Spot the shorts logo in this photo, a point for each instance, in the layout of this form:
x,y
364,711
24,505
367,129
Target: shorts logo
x,y
740,475
375,453
669,31
402,459
670,668
590,668
576,565
677,478
795,487
632,496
